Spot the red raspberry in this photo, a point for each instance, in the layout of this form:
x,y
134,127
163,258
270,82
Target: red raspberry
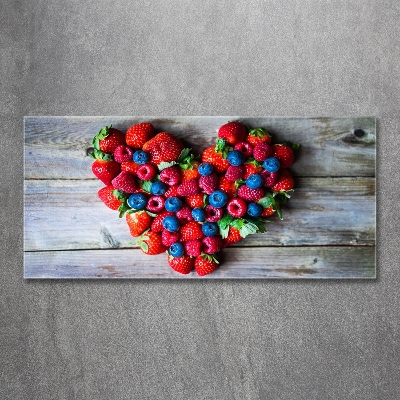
x,y
234,173
193,247
146,172
236,207
171,175
270,178
212,244
155,204
168,238
188,188
262,151
184,215
208,183
125,181
213,214
156,225
123,154
244,192
245,148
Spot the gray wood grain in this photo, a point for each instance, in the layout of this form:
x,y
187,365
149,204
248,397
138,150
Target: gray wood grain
x,y
55,147
61,215
272,262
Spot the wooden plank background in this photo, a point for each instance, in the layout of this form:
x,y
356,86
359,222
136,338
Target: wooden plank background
x,y
328,229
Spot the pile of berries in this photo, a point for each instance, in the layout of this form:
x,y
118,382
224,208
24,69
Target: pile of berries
x,y
187,206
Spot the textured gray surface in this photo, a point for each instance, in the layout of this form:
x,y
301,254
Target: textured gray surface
x,y
211,339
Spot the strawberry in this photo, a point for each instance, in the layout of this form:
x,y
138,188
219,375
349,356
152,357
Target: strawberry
x,y
138,222
205,264
172,191
212,244
285,181
126,182
193,247
258,135
157,225
235,172
183,264
105,170
233,237
163,147
108,139
191,231
130,166
137,135
233,132
267,212
208,183
251,168
190,171
248,194
211,156
150,243
188,188
171,175
227,186
195,200
107,196
284,153
169,238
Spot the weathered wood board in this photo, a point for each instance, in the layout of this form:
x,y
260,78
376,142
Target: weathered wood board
x,y
328,229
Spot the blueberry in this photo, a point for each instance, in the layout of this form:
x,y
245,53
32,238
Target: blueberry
x,y
158,188
137,201
254,209
198,214
210,228
173,204
254,181
171,223
205,169
218,198
141,157
271,164
176,250
235,158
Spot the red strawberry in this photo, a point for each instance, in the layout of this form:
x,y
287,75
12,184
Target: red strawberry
x,y
193,247
146,172
233,237
183,264
214,158
163,147
157,225
108,139
235,173
138,222
248,194
195,200
245,148
137,135
236,207
123,154
130,166
213,214
171,175
284,153
105,170
188,188
169,238
190,171
191,231
251,168
233,132
205,264
150,243
270,178
155,204
285,181
212,244
126,182
227,186
258,135
267,212
208,183
262,151
107,196
171,192
184,215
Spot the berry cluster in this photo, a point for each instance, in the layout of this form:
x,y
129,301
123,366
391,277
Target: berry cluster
x,y
190,208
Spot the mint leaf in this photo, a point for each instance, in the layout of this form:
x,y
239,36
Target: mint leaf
x,y
184,153
146,186
266,202
164,165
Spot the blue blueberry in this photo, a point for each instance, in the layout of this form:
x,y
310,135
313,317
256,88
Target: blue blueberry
x,y
171,223
173,204
158,188
271,164
137,201
176,250
210,228
198,214
205,169
235,158
254,209
218,198
141,157
254,181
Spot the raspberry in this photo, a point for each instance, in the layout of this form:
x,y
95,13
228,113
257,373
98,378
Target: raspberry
x,y
245,148
213,214
146,172
125,181
188,188
123,154
155,204
237,207
262,151
208,183
212,244
171,175
168,238
193,247
184,215
235,173
270,178
244,192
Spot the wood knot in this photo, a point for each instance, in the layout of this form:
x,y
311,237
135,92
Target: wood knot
x,y
89,151
359,133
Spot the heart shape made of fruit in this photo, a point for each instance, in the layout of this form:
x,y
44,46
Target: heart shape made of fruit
x,y
192,206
